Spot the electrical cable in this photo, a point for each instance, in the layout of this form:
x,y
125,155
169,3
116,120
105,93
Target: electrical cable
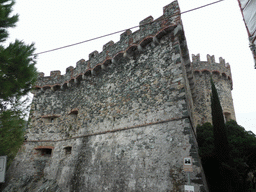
x,y
95,38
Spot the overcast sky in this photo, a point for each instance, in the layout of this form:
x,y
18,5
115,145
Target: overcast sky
x,y
216,30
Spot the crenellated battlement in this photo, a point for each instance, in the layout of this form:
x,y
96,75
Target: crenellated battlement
x,y
150,31
222,68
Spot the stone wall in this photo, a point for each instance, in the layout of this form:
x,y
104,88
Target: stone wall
x,y
121,121
131,132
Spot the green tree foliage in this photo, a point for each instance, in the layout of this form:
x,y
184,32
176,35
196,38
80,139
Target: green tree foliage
x,y
242,146
222,158
12,128
17,76
17,70
227,151
219,131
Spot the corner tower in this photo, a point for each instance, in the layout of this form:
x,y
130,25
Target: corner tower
x,y
222,78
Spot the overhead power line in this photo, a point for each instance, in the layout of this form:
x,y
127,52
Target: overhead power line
x,y
95,38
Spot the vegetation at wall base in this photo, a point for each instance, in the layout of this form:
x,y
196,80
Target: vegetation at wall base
x,y
227,155
242,145
17,77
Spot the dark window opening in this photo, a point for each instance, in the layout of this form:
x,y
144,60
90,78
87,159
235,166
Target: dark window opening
x,y
68,150
45,152
224,75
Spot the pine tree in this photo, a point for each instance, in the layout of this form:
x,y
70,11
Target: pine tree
x,y
17,76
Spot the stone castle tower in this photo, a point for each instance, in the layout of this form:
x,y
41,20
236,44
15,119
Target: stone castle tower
x,y
125,119
221,75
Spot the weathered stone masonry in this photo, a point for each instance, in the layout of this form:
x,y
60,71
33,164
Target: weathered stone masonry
x,y
121,121
221,75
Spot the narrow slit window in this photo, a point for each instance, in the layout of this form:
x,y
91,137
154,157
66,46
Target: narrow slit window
x,y
50,118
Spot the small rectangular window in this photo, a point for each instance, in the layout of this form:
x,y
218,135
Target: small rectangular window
x,y
45,151
50,118
68,150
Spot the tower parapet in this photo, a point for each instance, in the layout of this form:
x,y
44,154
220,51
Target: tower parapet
x,y
150,31
221,68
